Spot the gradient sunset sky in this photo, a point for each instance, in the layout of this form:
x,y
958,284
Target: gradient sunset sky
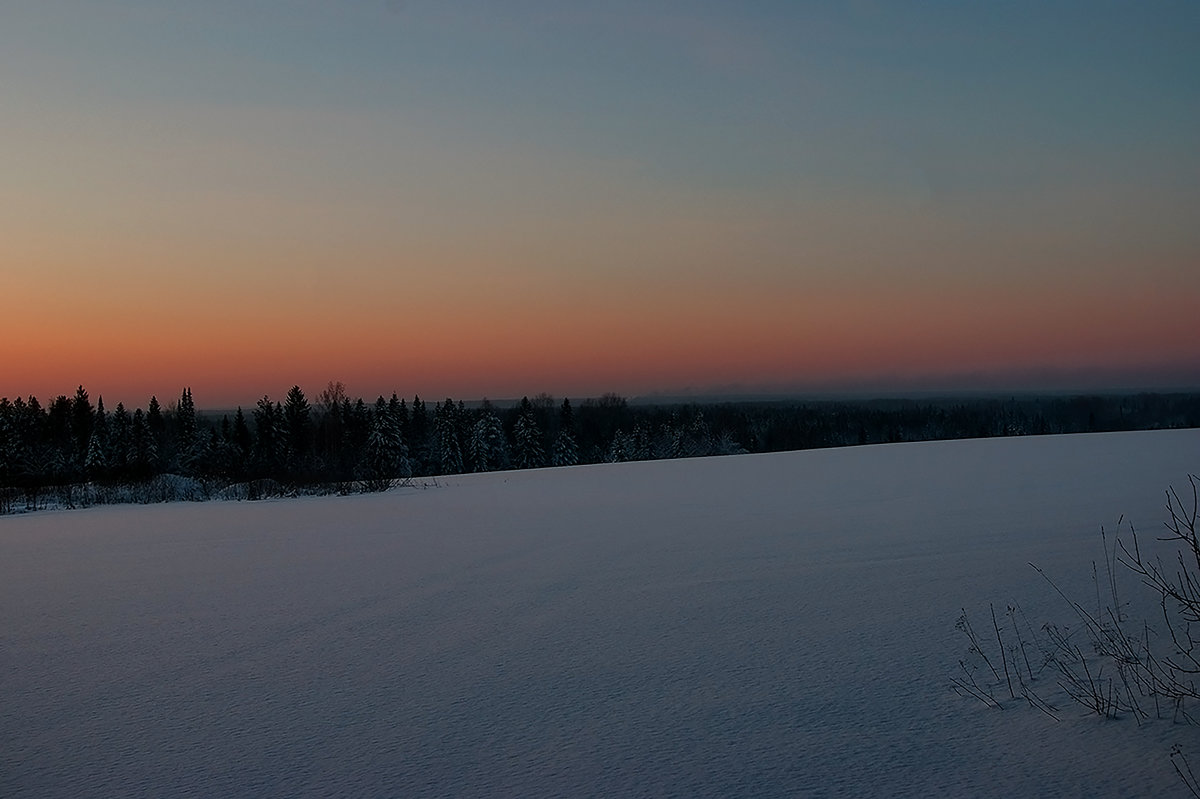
x,y
475,199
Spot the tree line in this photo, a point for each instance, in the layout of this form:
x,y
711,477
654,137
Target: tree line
x,y
76,452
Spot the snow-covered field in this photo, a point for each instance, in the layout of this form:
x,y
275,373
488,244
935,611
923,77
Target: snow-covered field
x,y
767,625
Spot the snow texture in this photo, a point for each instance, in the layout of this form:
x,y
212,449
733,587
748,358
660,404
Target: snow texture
x,y
763,625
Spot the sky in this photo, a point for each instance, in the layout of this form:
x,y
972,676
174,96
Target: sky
x,y
474,199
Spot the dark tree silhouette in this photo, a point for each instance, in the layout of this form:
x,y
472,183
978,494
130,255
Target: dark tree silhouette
x,y
298,428
566,448
528,452
80,454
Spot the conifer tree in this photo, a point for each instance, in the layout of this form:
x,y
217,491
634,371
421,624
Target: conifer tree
x,y
270,438
185,415
156,422
528,452
475,457
640,443
60,454
418,437
566,449
671,436
143,455
81,423
621,448
298,426
120,441
401,413
223,453
215,458
242,438
187,441
449,450
487,448
385,457
329,435
698,438
8,444
32,424
96,461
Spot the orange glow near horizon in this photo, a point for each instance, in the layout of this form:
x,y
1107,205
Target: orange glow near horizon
x,y
642,337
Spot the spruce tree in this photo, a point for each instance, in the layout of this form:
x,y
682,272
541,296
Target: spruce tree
x,y
187,441
385,458
449,450
82,420
475,458
298,426
566,448
329,436
402,416
418,437
120,441
621,448
528,452
32,428
156,423
214,458
640,443
8,445
488,449
270,438
185,416
143,454
698,438
96,461
242,438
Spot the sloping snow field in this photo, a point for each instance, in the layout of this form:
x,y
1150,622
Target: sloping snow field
x,y
767,625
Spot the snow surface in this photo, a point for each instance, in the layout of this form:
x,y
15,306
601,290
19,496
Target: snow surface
x,y
764,625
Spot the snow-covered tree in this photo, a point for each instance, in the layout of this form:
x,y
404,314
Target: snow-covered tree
x,y
8,440
188,443
97,458
566,447
96,462
156,423
698,439
82,420
418,437
28,420
669,441
270,439
528,452
640,443
621,448
399,411
385,457
243,441
446,436
487,449
143,449
120,440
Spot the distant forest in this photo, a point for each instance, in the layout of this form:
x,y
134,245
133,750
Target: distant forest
x,y
75,453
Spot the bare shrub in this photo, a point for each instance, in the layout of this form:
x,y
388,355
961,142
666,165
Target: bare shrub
x,y
1110,662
